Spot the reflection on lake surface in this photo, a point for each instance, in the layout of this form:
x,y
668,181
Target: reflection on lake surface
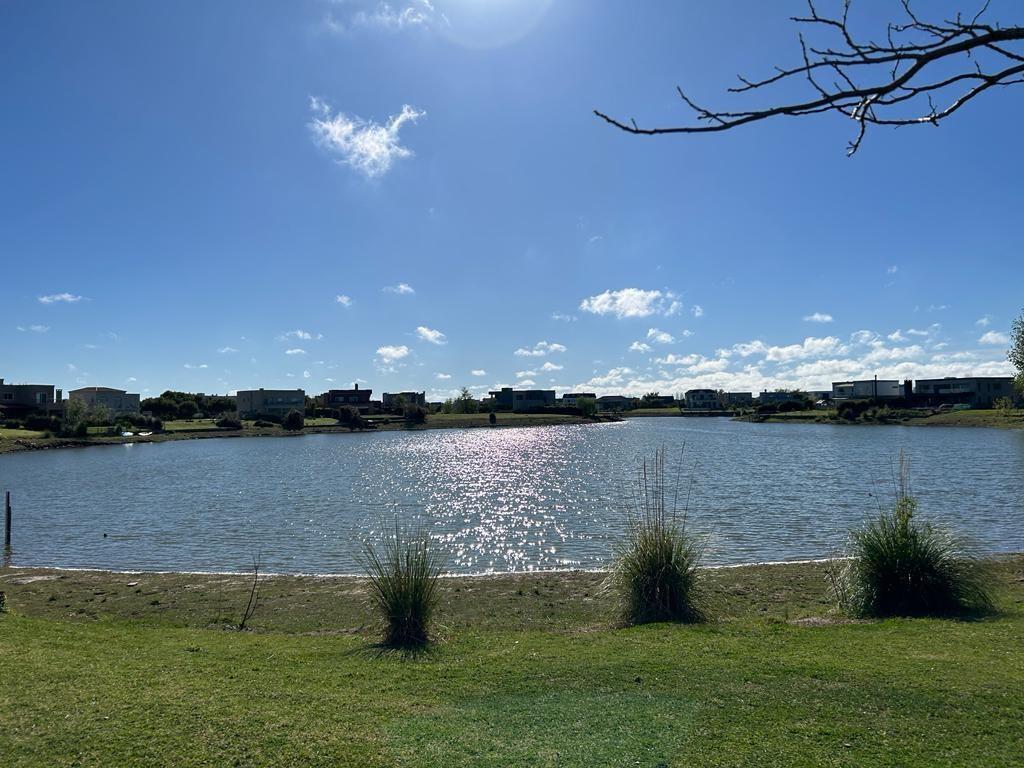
x,y
497,499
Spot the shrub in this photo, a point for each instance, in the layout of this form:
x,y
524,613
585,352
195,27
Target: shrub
x,y
415,414
656,569
293,422
899,566
42,423
229,421
492,418
403,577
263,424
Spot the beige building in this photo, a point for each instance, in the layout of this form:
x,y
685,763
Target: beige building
x,y
117,400
270,402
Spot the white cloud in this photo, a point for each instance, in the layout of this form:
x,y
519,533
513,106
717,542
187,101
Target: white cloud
x,y
631,302
639,346
660,337
389,353
402,289
673,359
994,337
305,374
35,328
382,16
896,336
442,376
697,310
192,367
818,317
366,146
892,270
130,380
54,298
549,366
983,322
298,334
345,301
295,351
478,372
431,335
540,349
525,374
527,383
227,350
562,317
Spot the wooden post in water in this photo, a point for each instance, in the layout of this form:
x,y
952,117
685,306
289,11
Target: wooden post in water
x,y
7,520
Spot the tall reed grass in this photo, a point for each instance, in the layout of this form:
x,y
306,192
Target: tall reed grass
x,y
900,566
403,573
655,574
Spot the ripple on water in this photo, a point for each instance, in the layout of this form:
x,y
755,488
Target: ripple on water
x,y
496,499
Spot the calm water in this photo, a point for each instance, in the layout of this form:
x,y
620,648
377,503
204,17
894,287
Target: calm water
x,y
498,499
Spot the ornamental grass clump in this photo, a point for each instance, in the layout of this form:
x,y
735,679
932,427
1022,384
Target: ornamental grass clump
x,y
655,574
900,566
403,575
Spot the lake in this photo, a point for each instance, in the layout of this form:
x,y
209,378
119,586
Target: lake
x,y
497,499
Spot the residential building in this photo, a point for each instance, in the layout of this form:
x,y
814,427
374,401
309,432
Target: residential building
x,y
979,391
356,398
508,398
270,402
777,398
703,399
389,399
867,389
616,403
18,399
571,399
739,399
659,401
118,401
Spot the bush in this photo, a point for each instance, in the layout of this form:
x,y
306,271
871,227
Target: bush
x,y
263,424
293,422
42,423
415,414
492,419
656,571
229,421
901,567
403,586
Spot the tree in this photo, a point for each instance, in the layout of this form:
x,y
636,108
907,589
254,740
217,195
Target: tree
x,y
187,409
895,82
293,422
587,406
1015,354
465,402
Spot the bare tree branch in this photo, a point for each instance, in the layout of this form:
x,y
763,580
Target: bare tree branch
x,y
902,73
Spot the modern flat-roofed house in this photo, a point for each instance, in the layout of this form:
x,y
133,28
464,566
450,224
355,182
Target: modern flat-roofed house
x,y
270,402
867,389
523,399
18,399
776,398
388,399
979,391
356,398
616,403
703,399
119,402
738,398
572,399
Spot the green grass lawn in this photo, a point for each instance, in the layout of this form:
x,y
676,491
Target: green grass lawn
x,y
190,425
19,434
104,669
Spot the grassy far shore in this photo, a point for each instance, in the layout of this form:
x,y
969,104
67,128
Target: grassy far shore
x,y
12,440
143,669
1012,419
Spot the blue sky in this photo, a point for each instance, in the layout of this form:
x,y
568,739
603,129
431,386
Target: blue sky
x,y
217,196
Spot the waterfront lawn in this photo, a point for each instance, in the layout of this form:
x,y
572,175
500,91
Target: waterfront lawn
x,y
549,684
189,425
19,434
